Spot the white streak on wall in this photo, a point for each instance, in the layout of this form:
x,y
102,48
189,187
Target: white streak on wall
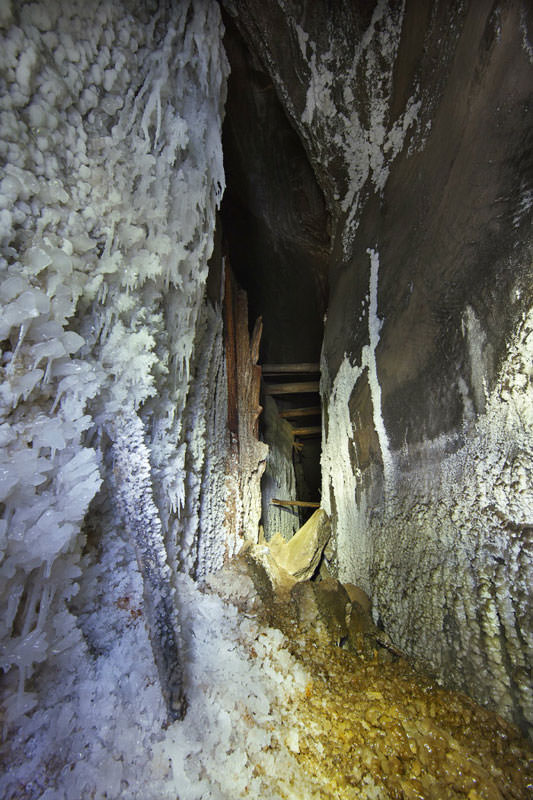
x,y
479,355
369,361
341,477
367,143
526,44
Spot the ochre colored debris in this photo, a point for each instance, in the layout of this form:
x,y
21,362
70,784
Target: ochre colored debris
x,y
370,726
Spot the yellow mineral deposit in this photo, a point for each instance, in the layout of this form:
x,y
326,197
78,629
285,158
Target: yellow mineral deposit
x,y
368,725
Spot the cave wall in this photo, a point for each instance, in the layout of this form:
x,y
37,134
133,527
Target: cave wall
x,y
416,118
110,140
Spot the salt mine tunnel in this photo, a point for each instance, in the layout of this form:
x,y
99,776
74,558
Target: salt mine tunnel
x,y
266,404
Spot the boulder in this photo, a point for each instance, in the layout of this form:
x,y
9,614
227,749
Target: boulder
x,y
359,596
301,555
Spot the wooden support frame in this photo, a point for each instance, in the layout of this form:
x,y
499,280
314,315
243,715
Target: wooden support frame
x,y
310,430
290,369
298,503
297,387
293,413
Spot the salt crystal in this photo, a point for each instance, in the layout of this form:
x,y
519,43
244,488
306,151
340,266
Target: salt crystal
x,y
23,385
52,348
43,329
11,287
7,481
72,341
292,740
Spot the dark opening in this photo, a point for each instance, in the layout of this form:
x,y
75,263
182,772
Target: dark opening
x,y
275,227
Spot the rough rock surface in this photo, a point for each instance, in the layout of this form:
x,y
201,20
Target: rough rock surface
x,y
274,214
367,724
416,119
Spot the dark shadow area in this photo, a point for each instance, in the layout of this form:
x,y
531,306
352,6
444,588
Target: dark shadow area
x,y
276,233
274,215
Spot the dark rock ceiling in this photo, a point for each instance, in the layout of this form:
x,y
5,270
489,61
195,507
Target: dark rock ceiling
x,y
274,215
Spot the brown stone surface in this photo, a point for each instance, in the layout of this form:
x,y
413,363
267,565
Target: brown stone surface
x,y
369,725
358,596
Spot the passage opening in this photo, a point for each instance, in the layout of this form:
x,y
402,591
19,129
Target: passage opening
x,y
276,230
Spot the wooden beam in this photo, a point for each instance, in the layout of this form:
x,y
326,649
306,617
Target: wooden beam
x,y
300,503
303,387
310,431
230,346
291,413
283,369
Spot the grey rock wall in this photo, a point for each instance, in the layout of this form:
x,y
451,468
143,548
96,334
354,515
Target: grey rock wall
x,y
416,119
279,480
274,215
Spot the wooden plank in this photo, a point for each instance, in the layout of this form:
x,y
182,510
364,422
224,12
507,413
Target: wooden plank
x,y
310,431
300,503
231,351
247,456
283,369
291,413
303,387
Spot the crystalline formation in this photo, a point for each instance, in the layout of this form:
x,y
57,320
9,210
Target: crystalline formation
x,y
110,135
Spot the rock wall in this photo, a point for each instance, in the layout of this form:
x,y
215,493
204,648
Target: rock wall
x,y
110,139
279,480
273,211
416,118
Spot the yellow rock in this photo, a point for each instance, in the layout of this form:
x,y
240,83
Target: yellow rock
x,y
301,555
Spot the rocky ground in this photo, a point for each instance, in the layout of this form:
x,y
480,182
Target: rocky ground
x,y
369,723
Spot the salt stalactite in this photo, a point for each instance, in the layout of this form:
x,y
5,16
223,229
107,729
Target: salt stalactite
x,y
110,137
196,536
133,486
211,537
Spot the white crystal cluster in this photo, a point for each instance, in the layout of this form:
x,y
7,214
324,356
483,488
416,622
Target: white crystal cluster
x,y
236,740
98,733
110,125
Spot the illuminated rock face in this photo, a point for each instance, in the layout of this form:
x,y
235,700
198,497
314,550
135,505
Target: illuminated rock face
x,y
112,170
417,123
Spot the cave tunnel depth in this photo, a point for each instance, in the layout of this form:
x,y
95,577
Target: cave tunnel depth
x,y
276,234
